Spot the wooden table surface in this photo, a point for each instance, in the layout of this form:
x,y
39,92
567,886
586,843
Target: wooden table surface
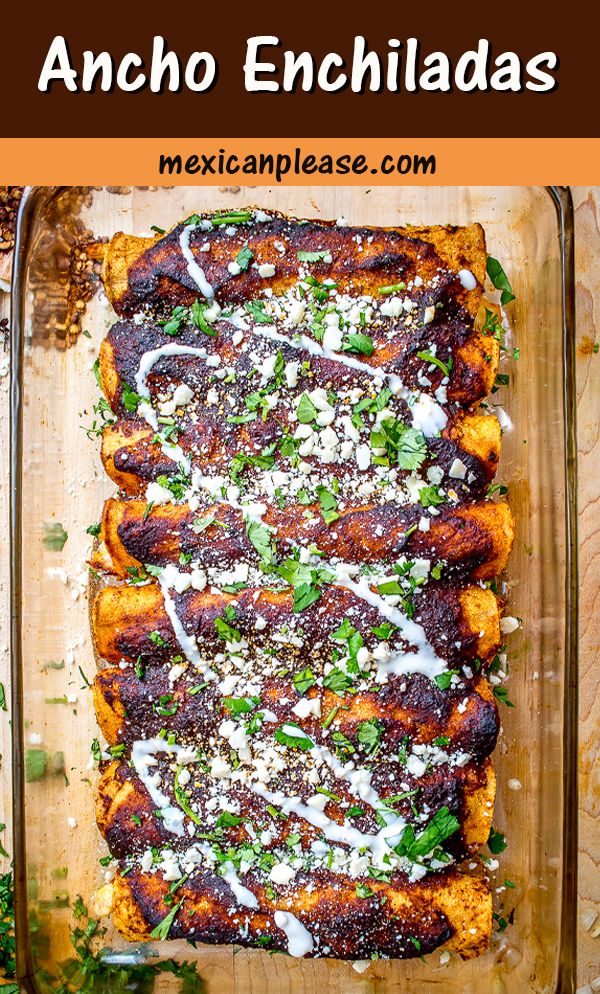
x,y
587,249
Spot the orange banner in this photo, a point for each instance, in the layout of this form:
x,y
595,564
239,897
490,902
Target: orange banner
x,y
302,161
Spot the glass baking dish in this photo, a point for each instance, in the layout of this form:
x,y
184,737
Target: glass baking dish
x,y
58,483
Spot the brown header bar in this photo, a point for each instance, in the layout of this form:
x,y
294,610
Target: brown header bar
x,y
223,29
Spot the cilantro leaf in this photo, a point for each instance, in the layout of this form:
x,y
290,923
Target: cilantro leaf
x,y
370,733
293,736
343,746
303,680
261,538
226,631
358,342
431,496
305,594
403,444
500,280
306,410
496,842
314,256
444,680
441,826
227,820
337,681
55,536
129,398
164,927
240,705
256,309
501,694
328,504
384,630
244,258
198,314
172,325
428,357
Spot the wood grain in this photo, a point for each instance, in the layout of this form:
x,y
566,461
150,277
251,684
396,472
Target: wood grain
x,y
587,204
587,242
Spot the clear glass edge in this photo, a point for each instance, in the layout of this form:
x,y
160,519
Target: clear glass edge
x,y
33,199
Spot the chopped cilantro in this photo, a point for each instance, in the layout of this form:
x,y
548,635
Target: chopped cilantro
x,y
262,539
337,681
385,630
328,504
198,315
428,357
496,842
240,705
369,735
444,680
303,680
492,326
314,256
172,326
431,496
305,594
226,631
129,398
157,638
306,410
501,694
500,280
343,745
402,444
200,525
442,825
359,342
296,739
227,820
256,309
55,536
164,927
244,258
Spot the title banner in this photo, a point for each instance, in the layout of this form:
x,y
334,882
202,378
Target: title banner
x,y
273,69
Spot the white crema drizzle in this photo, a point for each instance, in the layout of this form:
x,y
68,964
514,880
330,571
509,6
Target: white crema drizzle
x,y
188,643
242,894
143,757
195,271
379,843
147,362
300,941
424,660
